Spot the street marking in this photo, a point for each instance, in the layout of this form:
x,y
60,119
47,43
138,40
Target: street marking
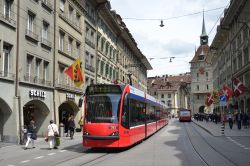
x,y
246,148
62,151
39,157
50,154
11,165
25,161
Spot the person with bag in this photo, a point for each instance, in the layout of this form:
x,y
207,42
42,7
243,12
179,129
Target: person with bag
x,y
31,135
53,135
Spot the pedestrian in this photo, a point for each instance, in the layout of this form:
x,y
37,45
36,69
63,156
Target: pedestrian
x,y
72,126
52,134
31,135
65,124
244,120
80,122
239,119
230,120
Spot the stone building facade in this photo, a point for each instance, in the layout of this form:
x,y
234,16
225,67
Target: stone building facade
x,y
39,39
230,52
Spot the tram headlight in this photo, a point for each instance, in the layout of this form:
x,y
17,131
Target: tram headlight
x,y
85,133
115,133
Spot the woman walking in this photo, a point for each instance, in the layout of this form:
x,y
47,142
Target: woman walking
x,y
52,134
31,135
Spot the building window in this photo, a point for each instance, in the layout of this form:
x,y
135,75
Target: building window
x,y
246,56
207,87
198,97
71,10
162,95
6,60
30,24
38,68
78,17
61,41
45,31
7,9
78,48
46,71
29,67
70,47
92,60
169,95
61,74
62,2
87,57
197,87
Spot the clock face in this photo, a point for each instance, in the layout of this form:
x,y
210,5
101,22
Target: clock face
x,y
202,70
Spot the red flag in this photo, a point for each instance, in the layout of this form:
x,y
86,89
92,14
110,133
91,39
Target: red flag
x,y
238,87
210,99
227,92
75,73
69,72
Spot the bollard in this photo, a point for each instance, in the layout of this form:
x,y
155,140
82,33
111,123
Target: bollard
x,y
61,130
223,128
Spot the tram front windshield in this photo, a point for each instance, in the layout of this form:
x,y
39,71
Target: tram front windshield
x,y
102,108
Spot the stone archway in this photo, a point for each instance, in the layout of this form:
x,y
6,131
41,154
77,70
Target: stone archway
x,y
38,111
67,108
202,109
5,112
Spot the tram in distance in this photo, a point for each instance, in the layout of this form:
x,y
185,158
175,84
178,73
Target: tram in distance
x,y
120,116
185,115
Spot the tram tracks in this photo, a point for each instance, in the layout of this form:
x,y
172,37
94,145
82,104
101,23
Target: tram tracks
x,y
89,157
203,158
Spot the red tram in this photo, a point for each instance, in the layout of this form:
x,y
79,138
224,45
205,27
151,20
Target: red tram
x,y
120,115
185,115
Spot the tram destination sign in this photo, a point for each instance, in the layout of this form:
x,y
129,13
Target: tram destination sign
x,y
102,89
37,93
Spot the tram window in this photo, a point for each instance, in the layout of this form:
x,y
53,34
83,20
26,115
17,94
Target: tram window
x,y
102,108
150,115
137,115
125,112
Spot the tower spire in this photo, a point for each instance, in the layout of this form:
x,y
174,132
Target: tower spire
x,y
204,32
204,36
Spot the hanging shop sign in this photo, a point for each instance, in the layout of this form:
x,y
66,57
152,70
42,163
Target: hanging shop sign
x,y
37,93
70,96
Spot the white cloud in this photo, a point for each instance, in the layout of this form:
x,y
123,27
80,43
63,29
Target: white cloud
x,y
177,38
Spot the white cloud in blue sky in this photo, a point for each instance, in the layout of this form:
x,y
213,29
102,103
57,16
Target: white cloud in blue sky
x,y
178,38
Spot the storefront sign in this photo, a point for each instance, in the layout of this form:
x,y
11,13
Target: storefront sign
x,y
37,93
70,96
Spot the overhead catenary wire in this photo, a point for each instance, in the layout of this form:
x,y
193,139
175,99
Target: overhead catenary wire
x,y
174,17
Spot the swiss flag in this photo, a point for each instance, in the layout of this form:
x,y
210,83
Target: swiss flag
x,y
227,92
238,87
210,99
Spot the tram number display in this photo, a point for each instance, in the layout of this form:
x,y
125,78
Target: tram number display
x,y
101,89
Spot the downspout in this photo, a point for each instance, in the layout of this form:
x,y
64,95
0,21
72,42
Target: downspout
x,y
17,96
54,65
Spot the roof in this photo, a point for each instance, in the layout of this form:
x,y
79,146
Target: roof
x,y
203,49
169,83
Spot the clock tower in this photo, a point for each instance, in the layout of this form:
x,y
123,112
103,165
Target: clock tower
x,y
201,72
204,36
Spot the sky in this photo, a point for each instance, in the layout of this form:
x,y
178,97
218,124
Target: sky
x,y
179,37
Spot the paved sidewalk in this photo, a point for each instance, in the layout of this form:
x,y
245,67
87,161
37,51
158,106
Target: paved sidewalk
x,y
215,129
40,141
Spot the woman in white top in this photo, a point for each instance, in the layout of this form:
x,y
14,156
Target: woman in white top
x,y
52,129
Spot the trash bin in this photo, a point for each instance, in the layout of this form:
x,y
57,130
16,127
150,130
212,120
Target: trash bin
x,y
61,130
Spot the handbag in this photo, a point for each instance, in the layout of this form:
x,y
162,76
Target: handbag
x,y
57,141
55,133
46,139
